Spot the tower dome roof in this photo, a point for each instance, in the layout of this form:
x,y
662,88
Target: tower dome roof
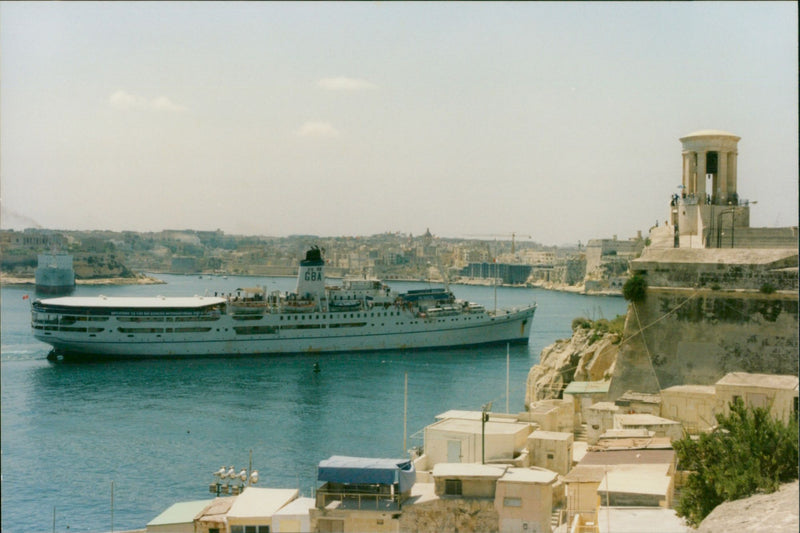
x,y
710,133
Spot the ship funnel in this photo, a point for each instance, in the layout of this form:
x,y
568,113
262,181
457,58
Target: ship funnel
x,y
310,276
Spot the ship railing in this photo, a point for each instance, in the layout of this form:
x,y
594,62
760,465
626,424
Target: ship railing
x,y
359,500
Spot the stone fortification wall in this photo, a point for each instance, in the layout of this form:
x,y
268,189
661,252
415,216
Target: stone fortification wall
x,y
678,336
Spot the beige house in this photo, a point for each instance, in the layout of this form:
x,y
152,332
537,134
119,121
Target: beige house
x,y
253,509
178,518
661,427
361,494
636,477
694,406
551,450
777,392
460,436
294,517
583,500
584,394
552,415
639,403
524,500
599,419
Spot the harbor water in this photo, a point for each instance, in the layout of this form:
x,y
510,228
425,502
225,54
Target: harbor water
x,y
157,429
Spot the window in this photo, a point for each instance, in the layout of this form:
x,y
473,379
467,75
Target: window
x,y
452,487
512,502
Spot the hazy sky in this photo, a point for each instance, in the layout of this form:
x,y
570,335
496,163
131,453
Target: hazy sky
x,y
559,121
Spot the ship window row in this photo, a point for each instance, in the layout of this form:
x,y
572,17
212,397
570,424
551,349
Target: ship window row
x,y
79,329
325,317
163,330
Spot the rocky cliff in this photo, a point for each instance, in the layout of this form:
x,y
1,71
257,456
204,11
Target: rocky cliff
x,y
761,513
589,355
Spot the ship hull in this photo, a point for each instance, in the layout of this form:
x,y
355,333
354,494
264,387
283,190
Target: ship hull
x,y
305,334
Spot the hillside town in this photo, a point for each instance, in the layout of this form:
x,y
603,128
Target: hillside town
x,y
600,266
711,327
593,449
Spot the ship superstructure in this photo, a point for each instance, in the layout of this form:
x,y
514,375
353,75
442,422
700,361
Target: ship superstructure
x,y
359,314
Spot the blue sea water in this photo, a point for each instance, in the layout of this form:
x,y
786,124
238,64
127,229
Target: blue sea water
x,y
157,429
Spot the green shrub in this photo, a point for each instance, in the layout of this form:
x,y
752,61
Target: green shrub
x,y
749,452
581,322
767,288
635,289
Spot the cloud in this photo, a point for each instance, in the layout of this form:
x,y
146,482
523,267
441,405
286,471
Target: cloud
x,y
317,129
345,84
125,100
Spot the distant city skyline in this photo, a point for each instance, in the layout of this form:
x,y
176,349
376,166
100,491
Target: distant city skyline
x,y
558,121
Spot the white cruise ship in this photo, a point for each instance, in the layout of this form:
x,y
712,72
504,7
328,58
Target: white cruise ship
x,y
361,314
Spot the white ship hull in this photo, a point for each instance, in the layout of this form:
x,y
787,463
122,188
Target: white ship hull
x,y
360,316
400,332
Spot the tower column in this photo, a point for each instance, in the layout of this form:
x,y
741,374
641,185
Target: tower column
x,y
732,173
700,176
722,173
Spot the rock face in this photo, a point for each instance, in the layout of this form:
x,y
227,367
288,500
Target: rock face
x,y
588,355
762,513
456,514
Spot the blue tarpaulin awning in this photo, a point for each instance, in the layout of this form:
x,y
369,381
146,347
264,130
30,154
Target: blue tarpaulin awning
x,y
367,471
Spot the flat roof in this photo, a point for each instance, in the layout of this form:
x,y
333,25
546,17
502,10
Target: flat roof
x,y
767,381
256,502
473,427
640,520
583,474
636,479
299,506
641,419
628,457
529,475
604,406
180,513
135,302
468,470
550,435
587,387
708,390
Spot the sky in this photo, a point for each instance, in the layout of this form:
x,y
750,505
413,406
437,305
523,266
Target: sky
x,y
558,122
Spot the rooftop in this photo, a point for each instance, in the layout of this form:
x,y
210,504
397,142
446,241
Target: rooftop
x,y
180,513
628,457
550,435
643,420
472,470
587,387
529,475
767,381
709,390
256,502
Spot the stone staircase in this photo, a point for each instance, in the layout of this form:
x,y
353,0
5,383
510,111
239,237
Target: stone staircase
x,y
556,518
580,433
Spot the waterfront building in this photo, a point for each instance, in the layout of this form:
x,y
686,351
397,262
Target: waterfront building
x,y
460,437
694,406
361,494
636,477
599,419
552,415
551,450
253,509
178,517
584,394
294,517
777,393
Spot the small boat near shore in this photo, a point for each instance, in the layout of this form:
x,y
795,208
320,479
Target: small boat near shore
x,y
359,314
